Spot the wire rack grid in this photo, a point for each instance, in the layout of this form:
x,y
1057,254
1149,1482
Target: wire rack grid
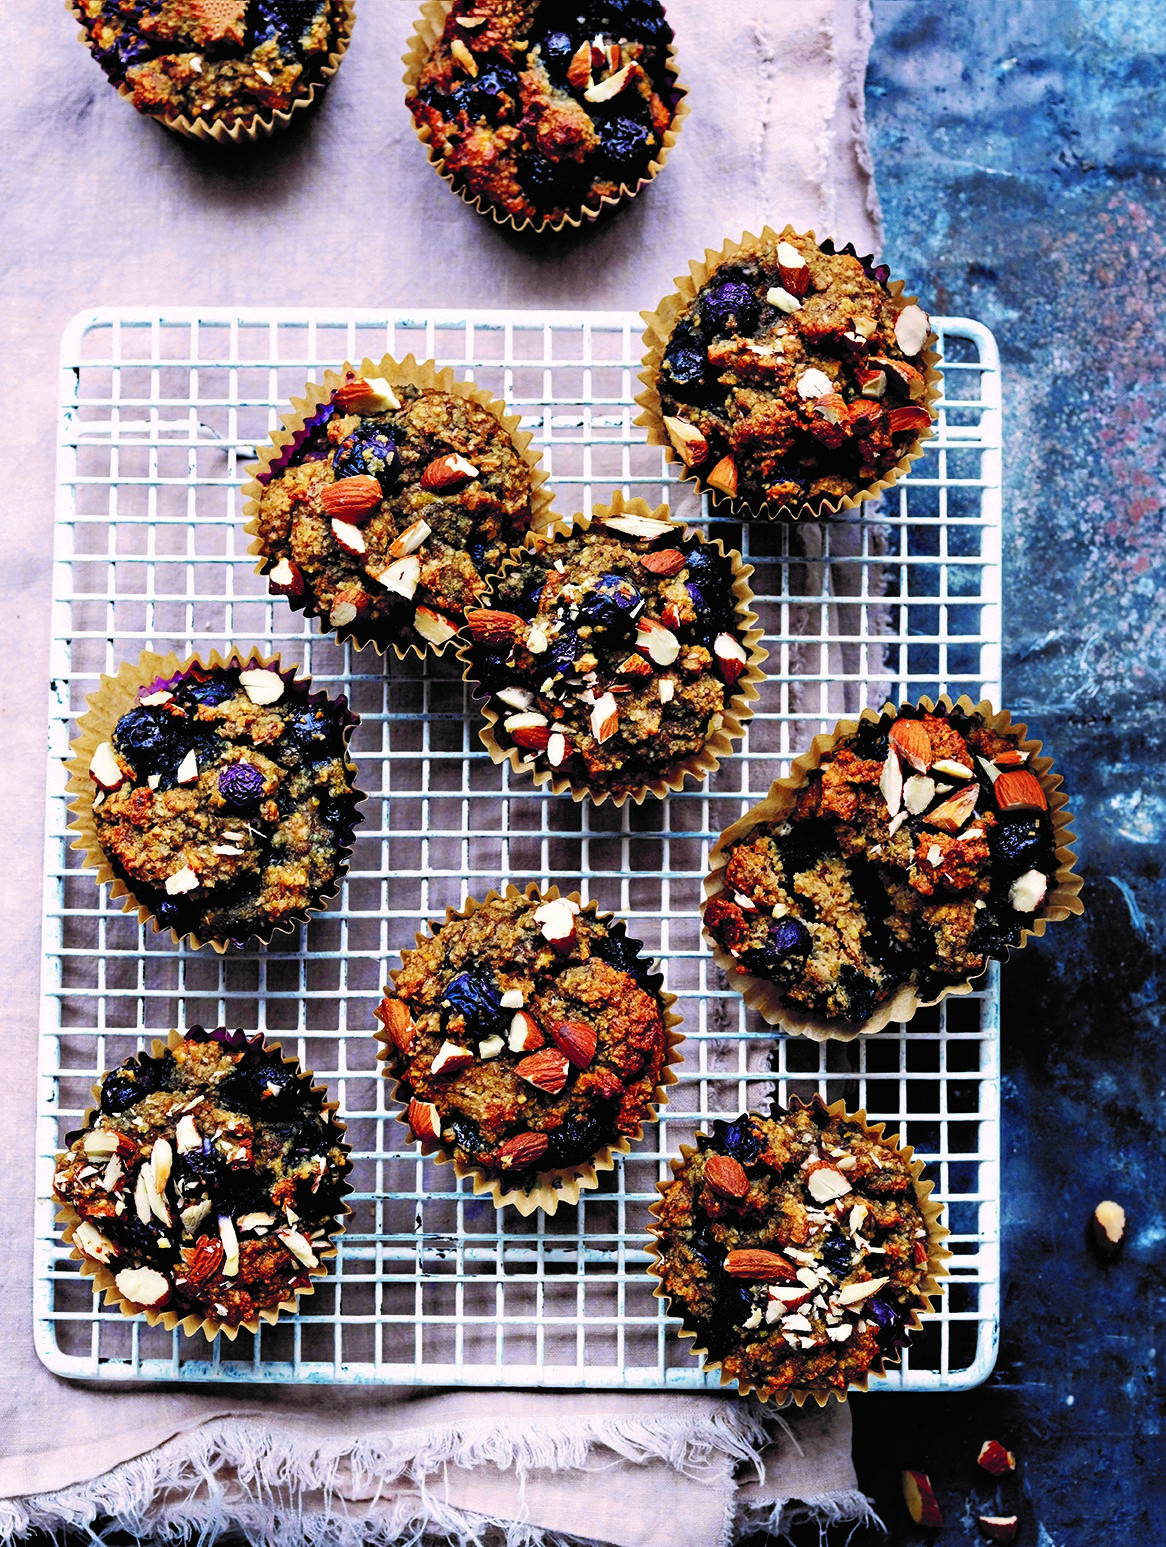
x,y
161,411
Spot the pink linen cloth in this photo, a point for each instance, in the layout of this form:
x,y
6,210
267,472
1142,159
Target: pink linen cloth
x,y
104,208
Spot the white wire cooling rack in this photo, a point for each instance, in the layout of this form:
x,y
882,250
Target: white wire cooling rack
x,y
160,413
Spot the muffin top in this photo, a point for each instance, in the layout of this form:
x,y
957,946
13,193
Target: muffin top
x,y
794,1247
224,799
225,60
610,654
528,1035
389,509
207,1180
920,848
793,374
543,106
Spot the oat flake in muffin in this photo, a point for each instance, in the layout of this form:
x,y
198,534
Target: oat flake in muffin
x,y
527,1036
542,107
916,852
208,1181
611,653
224,61
224,799
390,507
794,375
795,1248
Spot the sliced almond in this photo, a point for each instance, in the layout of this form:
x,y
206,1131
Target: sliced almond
x,y
605,716
912,329
261,685
184,880
691,446
639,526
433,627
402,576
104,768
410,539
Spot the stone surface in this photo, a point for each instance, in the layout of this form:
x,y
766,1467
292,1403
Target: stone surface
x,y
1018,150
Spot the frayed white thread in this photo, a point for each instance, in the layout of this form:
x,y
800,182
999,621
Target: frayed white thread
x,y
825,1510
290,1492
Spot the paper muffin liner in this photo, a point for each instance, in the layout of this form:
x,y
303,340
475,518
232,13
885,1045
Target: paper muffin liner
x,y
658,330
563,1184
1063,896
426,34
410,372
118,693
104,1282
735,716
243,130
938,1256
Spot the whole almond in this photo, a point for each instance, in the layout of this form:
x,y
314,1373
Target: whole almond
x,y
447,473
1019,789
911,741
576,1040
398,1023
531,738
489,625
665,561
760,1266
348,499
726,1176
523,1151
546,1070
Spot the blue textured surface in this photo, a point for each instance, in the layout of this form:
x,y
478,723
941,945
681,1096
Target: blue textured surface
x,y
1019,149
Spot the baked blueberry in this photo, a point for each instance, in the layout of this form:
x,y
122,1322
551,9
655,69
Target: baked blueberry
x,y
729,307
241,785
475,996
371,450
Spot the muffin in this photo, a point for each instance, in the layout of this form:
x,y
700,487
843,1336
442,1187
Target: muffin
x,y
530,1039
789,377
903,854
204,1190
220,798
798,1249
544,112
619,655
218,69
387,500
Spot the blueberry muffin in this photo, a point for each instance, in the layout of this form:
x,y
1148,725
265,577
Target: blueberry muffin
x,y
617,655
797,1249
540,109
388,507
793,379
529,1037
223,799
207,1183
231,65
918,848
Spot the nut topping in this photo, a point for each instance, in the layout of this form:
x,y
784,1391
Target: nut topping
x,y
523,1151
912,329
759,1266
1019,790
104,768
444,474
351,499
726,1176
423,1118
545,1070
664,562
911,741
489,625
691,446
576,1041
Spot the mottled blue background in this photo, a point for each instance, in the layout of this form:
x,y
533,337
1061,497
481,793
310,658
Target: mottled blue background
x,y
1019,152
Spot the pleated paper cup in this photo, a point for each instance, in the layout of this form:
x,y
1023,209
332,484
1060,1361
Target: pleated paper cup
x,y
257,126
548,1190
938,1257
427,34
104,1281
1062,900
658,327
733,718
295,429
117,694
